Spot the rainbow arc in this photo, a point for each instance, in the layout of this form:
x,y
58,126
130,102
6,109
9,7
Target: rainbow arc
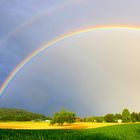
x,y
38,51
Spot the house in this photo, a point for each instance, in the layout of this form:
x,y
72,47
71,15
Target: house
x,y
119,121
48,121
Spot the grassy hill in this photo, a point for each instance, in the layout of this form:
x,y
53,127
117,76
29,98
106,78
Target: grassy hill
x,y
12,114
117,132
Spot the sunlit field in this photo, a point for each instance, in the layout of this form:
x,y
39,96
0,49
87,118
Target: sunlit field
x,y
46,125
115,132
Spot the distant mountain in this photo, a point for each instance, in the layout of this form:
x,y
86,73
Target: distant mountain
x,y
13,114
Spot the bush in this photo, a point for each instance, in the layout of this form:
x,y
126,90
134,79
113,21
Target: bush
x,y
109,118
126,117
63,116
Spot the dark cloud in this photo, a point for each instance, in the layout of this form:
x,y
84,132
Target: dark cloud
x,y
66,75
92,74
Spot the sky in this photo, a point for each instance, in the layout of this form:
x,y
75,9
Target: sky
x,y
92,73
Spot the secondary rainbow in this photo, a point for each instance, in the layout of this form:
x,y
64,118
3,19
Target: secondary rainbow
x,y
36,18
35,53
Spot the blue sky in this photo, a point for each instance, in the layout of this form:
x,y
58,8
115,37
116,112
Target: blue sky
x,y
27,25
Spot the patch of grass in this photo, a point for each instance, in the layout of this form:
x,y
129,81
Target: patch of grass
x,y
117,132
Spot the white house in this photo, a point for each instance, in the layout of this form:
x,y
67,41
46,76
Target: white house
x,y
119,121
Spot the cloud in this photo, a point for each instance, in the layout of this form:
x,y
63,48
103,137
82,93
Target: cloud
x,y
92,74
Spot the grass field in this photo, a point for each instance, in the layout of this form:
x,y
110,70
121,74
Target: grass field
x,y
115,132
45,125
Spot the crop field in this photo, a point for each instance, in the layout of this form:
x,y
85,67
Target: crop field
x,y
45,125
115,132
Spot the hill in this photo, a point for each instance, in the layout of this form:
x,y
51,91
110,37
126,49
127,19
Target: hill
x,y
13,114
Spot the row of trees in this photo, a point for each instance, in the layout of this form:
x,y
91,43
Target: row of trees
x,y
70,117
125,116
66,116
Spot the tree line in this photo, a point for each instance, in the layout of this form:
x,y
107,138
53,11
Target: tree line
x,y
125,116
64,116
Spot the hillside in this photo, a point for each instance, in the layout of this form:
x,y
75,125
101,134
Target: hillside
x,y
12,114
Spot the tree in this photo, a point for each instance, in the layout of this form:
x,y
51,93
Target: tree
x,y
126,117
109,118
63,116
134,117
118,116
139,117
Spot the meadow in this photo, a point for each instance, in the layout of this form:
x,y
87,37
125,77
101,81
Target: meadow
x,y
115,132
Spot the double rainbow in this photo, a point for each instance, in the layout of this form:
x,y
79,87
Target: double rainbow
x,y
35,53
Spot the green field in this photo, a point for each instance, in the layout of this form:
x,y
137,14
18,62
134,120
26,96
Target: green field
x,y
117,132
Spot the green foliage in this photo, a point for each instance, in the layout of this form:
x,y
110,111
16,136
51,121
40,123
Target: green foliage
x,y
99,119
118,132
118,116
63,116
134,117
126,116
11,114
48,118
139,117
8,114
109,118
93,119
